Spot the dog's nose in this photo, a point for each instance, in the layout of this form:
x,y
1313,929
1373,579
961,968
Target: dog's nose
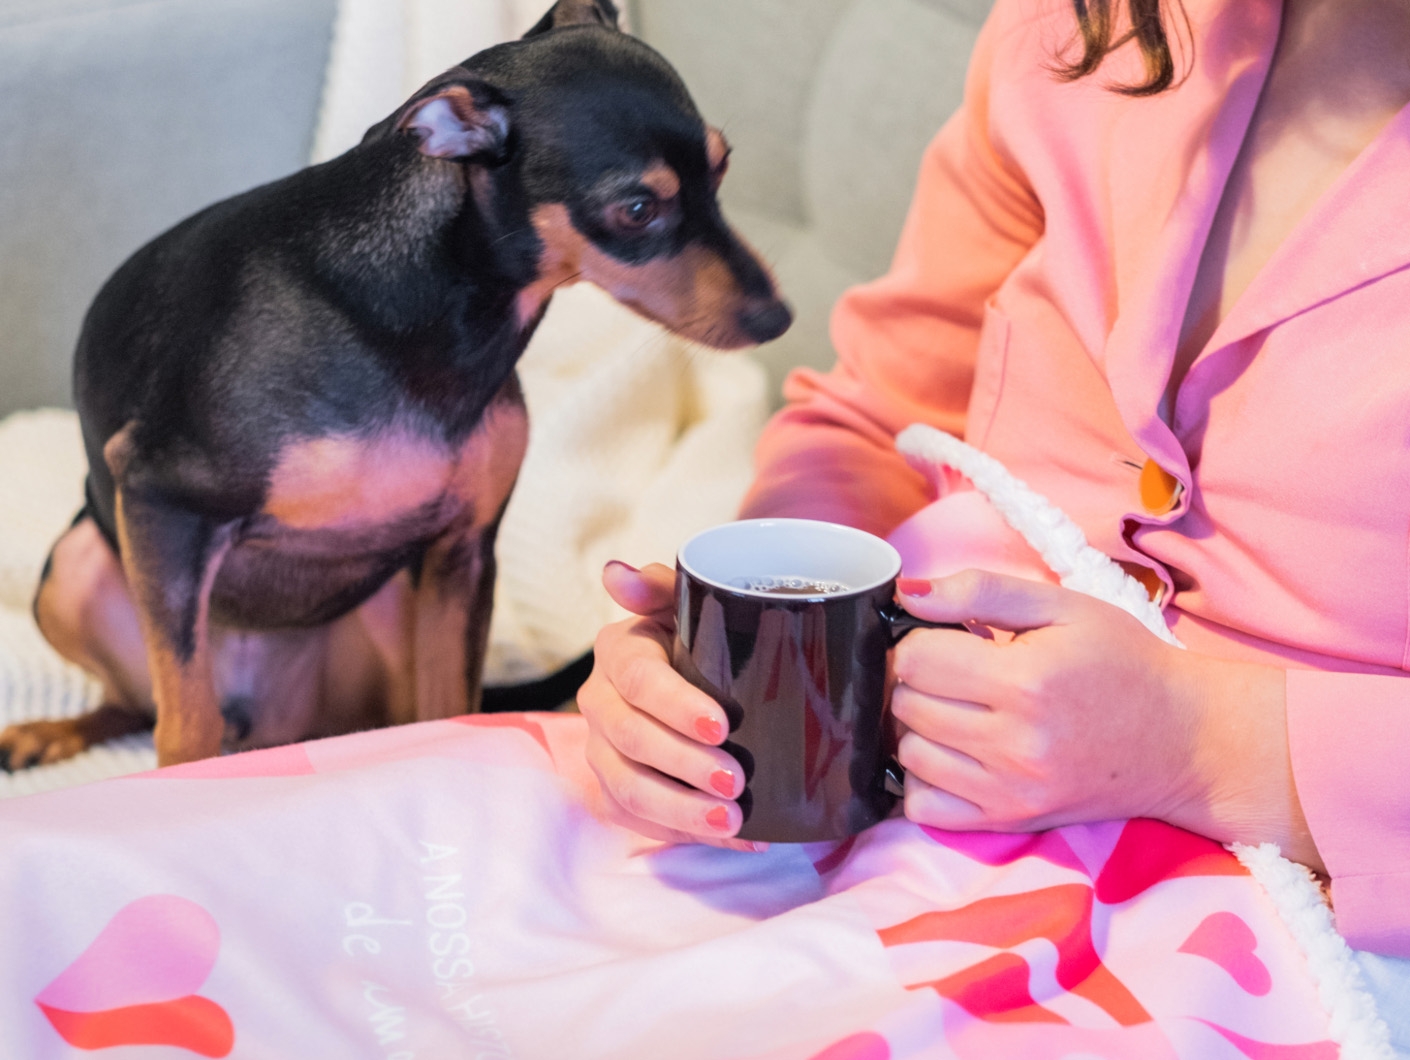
x,y
765,320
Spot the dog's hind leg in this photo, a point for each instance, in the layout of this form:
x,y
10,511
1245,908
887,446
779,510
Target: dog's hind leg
x,y
84,610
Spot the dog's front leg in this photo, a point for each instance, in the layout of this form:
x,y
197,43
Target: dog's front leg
x,y
171,557
454,595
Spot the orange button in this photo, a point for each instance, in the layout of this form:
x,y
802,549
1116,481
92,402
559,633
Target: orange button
x,y
1160,490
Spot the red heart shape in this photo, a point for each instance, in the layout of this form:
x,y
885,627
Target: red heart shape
x,y
136,982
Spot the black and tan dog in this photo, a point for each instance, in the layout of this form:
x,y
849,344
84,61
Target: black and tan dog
x,y
300,409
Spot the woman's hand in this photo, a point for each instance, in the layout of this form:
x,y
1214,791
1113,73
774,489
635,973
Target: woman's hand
x,y
1084,715
652,736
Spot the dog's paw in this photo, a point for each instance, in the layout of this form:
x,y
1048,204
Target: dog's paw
x,y
37,743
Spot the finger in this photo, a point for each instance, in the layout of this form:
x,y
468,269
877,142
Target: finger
x,y
667,835
943,766
954,665
606,806
998,600
642,740
650,592
631,657
637,759
642,794
957,723
927,804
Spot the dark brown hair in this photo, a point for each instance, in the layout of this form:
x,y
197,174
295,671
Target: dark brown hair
x,y
1095,24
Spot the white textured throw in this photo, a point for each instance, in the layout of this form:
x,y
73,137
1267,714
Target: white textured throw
x,y
1355,1024
637,439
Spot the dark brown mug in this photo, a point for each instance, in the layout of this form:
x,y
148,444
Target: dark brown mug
x,y
786,624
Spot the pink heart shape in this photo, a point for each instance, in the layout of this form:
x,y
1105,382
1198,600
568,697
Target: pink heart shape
x,y
1226,940
159,948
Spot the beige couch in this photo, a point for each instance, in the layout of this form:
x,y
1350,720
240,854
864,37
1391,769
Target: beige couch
x,y
829,104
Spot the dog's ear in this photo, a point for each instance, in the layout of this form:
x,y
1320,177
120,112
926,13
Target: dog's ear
x,y
462,120
576,13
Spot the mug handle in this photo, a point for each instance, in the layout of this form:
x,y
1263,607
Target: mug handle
x,y
899,622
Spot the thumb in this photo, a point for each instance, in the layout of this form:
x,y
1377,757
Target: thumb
x,y
1001,601
650,592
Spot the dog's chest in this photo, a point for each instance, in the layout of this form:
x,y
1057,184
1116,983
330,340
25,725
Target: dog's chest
x,y
396,482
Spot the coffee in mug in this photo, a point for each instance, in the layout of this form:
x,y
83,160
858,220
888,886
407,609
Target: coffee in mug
x,y
789,585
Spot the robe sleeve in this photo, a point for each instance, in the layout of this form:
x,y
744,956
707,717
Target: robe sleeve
x,y
1350,740
905,343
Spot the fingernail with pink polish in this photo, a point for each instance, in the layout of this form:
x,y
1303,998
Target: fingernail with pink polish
x,y
620,563
718,819
914,586
709,730
722,780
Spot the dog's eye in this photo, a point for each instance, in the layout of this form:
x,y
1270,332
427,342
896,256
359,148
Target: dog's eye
x,y
636,213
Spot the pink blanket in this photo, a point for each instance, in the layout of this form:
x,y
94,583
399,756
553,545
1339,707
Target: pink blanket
x,y
444,890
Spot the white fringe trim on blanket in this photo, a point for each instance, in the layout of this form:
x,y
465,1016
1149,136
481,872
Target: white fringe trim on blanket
x,y
1354,1023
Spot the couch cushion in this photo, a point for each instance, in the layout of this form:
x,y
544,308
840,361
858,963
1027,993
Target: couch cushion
x,y
750,64
891,74
812,280
120,118
829,104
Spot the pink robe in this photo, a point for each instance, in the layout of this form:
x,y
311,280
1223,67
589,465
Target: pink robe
x,y
1034,306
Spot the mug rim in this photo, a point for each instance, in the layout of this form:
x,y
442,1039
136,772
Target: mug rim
x,y
841,529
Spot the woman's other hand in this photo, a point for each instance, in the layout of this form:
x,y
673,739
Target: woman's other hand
x,y
1084,715
653,738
